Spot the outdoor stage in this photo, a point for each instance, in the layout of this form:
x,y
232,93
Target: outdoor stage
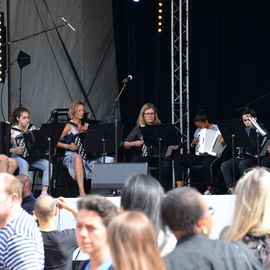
x,y
223,206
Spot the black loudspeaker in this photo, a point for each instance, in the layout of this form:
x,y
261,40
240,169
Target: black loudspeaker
x,y
114,175
4,138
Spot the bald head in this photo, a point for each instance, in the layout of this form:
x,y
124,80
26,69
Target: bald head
x,y
45,207
10,184
182,209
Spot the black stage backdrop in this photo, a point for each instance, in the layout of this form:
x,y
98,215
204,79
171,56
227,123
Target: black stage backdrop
x,y
229,57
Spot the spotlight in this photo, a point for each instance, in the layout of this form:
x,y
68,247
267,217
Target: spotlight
x,y
136,1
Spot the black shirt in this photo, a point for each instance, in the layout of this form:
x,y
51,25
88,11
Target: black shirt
x,y
199,252
59,247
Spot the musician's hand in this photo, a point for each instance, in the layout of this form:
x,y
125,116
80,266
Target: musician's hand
x,y
268,149
195,141
221,139
17,150
72,147
138,143
175,147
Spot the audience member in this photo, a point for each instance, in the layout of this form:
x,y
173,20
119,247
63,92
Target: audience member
x,y
8,165
144,193
21,245
28,201
58,245
133,243
94,215
189,217
251,222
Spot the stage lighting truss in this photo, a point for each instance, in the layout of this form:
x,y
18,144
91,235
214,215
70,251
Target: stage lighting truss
x,y
160,16
180,69
2,48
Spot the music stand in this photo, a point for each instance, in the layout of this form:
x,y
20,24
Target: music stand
x,y
100,138
47,138
160,135
234,134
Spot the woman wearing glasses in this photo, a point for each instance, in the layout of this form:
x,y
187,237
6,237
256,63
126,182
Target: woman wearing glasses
x,y
141,153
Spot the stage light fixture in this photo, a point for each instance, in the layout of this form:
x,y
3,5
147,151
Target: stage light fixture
x,y
159,15
2,48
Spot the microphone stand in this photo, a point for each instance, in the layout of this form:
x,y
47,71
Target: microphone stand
x,y
114,113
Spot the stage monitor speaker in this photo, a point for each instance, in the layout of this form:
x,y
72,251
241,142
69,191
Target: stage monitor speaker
x,y
114,175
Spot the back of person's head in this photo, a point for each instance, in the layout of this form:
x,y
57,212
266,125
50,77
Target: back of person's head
x,y
143,193
185,212
248,111
103,207
45,207
251,213
133,243
11,185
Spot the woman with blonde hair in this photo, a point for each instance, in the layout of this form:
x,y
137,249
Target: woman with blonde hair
x,y
77,163
141,153
133,244
251,222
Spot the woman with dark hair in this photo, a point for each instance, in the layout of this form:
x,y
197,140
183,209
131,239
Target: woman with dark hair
x,y
133,244
144,193
20,120
141,153
183,161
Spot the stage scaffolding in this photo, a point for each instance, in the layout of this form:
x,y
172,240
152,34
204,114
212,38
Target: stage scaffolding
x,y
180,68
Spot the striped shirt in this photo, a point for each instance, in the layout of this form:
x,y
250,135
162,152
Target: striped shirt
x,y
21,245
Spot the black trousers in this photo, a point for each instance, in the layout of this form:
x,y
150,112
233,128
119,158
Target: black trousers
x,y
166,169
184,161
241,165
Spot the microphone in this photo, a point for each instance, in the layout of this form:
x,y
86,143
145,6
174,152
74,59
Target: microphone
x,y
127,79
68,24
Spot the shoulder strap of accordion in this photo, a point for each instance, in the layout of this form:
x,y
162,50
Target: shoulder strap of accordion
x,y
73,124
29,126
16,129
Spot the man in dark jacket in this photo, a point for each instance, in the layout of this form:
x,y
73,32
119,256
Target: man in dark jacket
x,y
189,218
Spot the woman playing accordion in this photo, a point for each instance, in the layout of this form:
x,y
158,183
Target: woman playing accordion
x,y
75,159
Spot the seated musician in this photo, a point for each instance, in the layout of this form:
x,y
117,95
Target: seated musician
x,y
246,157
183,161
20,119
148,116
7,164
77,165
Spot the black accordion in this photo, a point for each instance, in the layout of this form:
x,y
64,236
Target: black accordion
x,y
79,140
27,141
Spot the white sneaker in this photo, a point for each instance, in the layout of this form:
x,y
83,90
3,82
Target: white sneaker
x,y
207,192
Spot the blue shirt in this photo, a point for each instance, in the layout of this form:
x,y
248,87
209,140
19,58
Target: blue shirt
x,y
106,265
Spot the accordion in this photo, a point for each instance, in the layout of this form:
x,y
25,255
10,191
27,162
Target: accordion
x,y
209,143
27,141
79,140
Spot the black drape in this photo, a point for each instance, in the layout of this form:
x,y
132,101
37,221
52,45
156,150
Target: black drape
x,y
229,56
145,54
